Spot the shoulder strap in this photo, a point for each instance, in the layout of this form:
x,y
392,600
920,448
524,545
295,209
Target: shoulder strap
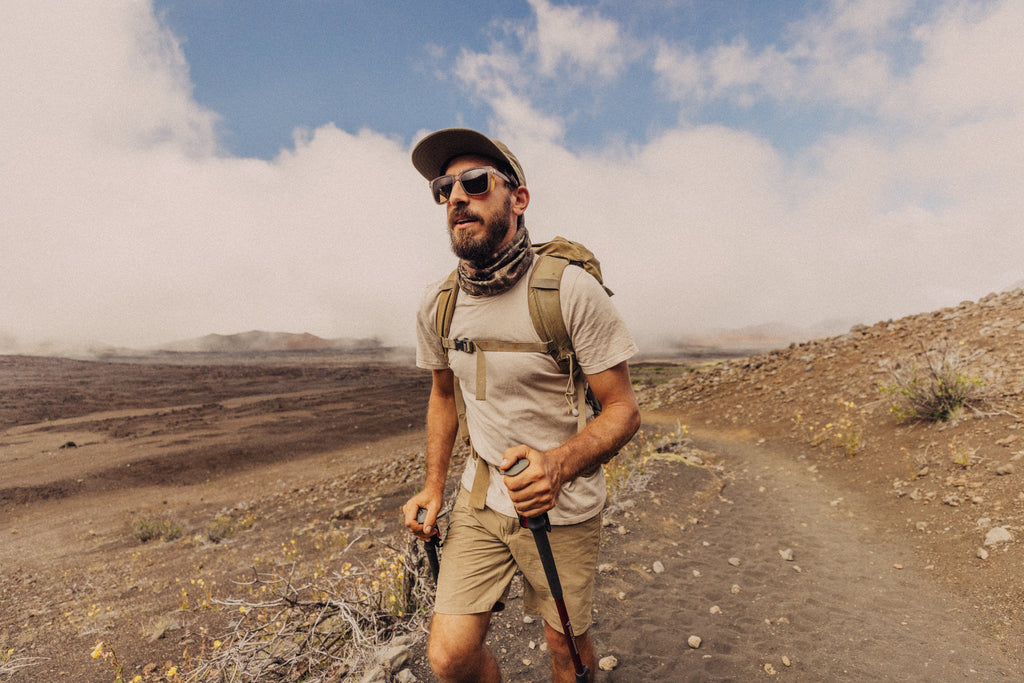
x,y
442,324
446,306
546,309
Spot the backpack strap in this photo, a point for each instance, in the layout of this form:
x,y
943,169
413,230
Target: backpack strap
x,y
546,313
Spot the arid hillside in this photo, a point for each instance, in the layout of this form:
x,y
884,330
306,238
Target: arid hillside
x,y
952,488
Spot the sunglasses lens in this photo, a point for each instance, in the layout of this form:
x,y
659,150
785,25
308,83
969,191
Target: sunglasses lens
x,y
441,188
475,181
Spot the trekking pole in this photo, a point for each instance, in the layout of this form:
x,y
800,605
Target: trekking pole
x,y
431,545
540,525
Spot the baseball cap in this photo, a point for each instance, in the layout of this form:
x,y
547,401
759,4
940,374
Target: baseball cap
x,y
433,153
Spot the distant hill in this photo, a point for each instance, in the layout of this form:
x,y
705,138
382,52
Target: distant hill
x,y
258,340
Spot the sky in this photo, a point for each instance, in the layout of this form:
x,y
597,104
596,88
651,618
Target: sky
x,y
174,168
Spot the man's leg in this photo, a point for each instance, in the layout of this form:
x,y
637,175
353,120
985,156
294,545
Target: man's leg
x,y
562,670
457,651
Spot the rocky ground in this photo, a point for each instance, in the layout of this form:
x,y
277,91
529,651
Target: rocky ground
x,y
787,520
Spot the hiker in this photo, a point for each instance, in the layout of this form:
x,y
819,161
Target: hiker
x,y
518,403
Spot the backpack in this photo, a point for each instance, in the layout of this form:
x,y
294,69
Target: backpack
x,y
546,315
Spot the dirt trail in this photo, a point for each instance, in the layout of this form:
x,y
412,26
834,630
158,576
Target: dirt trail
x,y
849,605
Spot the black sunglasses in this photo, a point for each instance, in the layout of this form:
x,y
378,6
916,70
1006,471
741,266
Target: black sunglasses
x,y
475,182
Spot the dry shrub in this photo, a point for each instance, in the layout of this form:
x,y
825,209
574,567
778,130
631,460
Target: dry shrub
x,y
935,385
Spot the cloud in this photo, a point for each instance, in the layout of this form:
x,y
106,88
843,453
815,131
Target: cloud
x,y
582,40
124,222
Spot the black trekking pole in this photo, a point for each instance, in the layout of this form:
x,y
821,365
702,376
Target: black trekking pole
x,y
539,526
431,545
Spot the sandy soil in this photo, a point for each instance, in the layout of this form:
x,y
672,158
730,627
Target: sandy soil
x,y
786,555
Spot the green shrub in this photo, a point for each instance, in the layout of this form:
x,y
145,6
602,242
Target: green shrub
x,y
145,530
934,386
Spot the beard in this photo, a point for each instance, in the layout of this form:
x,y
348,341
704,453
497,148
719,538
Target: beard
x,y
480,250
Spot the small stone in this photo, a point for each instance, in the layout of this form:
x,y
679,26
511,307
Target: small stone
x,y
982,554
694,642
734,561
997,535
532,645
658,567
735,589
786,661
527,619
715,609
621,595
769,669
1003,470
608,663
786,554
696,573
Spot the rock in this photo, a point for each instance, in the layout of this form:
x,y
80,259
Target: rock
x,y
996,535
405,676
734,561
694,641
786,661
735,589
1002,470
786,554
715,609
658,567
769,669
982,554
608,663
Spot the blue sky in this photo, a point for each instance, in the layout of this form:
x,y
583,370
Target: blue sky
x,y
179,167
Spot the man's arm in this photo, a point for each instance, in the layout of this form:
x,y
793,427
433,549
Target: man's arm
x,y
442,429
535,490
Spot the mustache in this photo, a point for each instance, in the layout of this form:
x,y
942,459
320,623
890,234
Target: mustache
x,y
462,214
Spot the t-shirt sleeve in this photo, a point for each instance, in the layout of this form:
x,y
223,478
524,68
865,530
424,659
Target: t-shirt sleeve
x,y
595,327
429,352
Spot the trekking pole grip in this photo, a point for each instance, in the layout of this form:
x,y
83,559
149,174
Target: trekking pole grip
x,y
431,545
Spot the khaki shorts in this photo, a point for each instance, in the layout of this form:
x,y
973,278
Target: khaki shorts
x,y
483,549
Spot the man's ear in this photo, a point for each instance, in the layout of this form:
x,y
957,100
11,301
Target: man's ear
x,y
520,200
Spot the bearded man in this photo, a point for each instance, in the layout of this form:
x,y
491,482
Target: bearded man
x,y
516,410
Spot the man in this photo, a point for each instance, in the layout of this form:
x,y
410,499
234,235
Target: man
x,y
515,409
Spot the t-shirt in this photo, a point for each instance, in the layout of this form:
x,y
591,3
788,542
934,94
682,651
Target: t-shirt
x,y
525,393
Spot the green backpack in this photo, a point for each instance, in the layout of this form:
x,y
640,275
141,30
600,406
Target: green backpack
x,y
546,314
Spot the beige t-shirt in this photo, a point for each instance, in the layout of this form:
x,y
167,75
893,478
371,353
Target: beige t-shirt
x,y
525,400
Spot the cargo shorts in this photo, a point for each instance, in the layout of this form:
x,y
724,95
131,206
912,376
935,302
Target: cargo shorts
x,y
484,548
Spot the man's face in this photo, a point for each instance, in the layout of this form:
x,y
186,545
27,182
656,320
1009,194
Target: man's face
x,y
479,225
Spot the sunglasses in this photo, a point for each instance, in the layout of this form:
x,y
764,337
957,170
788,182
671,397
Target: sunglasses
x,y
474,181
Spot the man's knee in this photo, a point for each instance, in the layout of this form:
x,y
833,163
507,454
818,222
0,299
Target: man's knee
x,y
456,647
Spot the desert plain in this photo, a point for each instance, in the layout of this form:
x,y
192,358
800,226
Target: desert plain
x,y
784,521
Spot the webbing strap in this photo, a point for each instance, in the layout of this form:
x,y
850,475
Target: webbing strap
x,y
478,494
478,348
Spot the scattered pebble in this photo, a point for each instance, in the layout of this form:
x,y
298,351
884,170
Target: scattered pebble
x,y
786,661
734,561
735,589
658,567
715,609
998,534
786,554
608,663
694,641
769,669
982,554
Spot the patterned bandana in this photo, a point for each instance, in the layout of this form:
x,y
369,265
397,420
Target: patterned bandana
x,y
509,265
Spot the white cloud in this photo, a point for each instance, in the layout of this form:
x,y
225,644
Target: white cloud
x,y
123,222
585,41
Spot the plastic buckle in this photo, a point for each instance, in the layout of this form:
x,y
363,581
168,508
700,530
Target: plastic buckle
x,y
465,345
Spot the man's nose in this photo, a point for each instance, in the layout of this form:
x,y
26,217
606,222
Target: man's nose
x,y
458,194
